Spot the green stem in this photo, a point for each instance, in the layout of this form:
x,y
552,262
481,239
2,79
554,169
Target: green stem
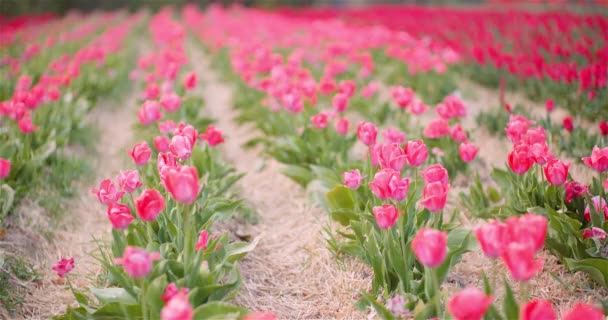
x,y
435,279
187,235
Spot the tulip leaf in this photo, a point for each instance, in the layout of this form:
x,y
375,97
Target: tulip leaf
x,y
595,267
341,203
510,305
219,311
117,310
368,300
299,174
109,295
238,250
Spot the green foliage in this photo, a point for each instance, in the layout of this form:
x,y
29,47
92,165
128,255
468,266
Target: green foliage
x,y
14,271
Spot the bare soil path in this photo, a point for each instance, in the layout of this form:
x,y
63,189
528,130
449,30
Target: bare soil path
x,y
290,272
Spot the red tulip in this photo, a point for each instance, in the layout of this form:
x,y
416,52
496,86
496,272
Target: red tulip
x,y
212,135
469,304
604,128
584,311
63,266
416,152
161,143
519,159
434,196
517,127
595,233
347,87
25,124
5,168
186,130
182,183
436,129
451,107
386,216
140,153
549,105
387,183
556,172
341,126
367,132
320,120
430,247
468,151
107,192
178,308
493,237
568,124
598,160
519,258
402,96
119,215
149,204
352,179
152,91
537,309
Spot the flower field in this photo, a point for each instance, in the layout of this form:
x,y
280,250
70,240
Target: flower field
x,y
379,162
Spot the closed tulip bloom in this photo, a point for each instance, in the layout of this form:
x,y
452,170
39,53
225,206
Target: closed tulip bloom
x,y
347,87
603,128
568,124
186,130
181,147
152,91
600,208
392,135
213,136
519,259
575,189
387,184
386,215
434,196
519,159
128,180
170,102
430,247
63,266
26,125
549,105
416,153
5,168
320,120
595,233
537,309
149,204
203,240
493,237
119,215
402,96
352,179
451,107
341,126
178,308
436,129
339,102
137,262
161,143
529,229
517,127
190,80
367,133
107,192
556,172
468,151
369,90
458,134
149,113
388,156
435,173
584,311
182,183
417,107
469,304
140,153
598,160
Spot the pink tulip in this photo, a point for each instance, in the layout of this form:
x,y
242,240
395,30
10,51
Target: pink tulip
x,y
5,168
161,143
458,134
386,215
568,124
530,229
190,80
416,153
203,240
341,126
598,160
430,247
574,190
186,130
347,87
388,156
537,309
392,135
152,91
600,207
556,172
181,147
549,105
369,90
451,107
25,124
149,204
137,262
402,96
436,129
63,266
493,237
367,132
119,215
352,179
519,259
584,311
435,173
517,127
167,126
595,233
320,120
417,107
212,135
182,183
171,290
469,304
468,151
140,153
107,192
540,153
149,113
387,183
178,308
170,102
339,102
434,196
128,180
519,159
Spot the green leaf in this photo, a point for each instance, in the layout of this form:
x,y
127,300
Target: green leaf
x,y
237,250
299,174
109,295
368,300
116,310
219,311
510,304
596,268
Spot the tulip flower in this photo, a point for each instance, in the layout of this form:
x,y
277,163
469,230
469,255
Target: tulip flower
x,y
370,89
203,240
140,153
25,124
152,91
392,135
352,179
181,147
600,208
388,156
493,237
128,180
166,126
417,107
107,192
5,168
402,96
435,173
416,153
430,247
149,204
556,172
387,184
603,128
519,259
186,130
149,113
568,124
178,308
517,127
458,134
469,304
549,105
171,290
161,143
213,136
347,87
320,120
537,309
182,183
451,107
598,160
529,229
119,215
367,132
170,102
190,80
341,126
386,216
519,159
434,196
339,102
436,129
468,151
574,190
584,311
63,266
595,233
137,262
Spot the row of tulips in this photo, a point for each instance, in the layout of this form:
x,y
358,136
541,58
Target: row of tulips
x,y
166,259
391,205
44,114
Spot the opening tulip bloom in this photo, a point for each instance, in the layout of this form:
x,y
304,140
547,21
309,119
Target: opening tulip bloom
x,y
339,102
595,233
119,215
458,134
5,168
387,183
213,136
416,153
388,156
386,216
182,183
128,180
352,179
556,172
63,266
529,229
107,192
469,304
598,160
451,107
149,204
187,131
537,309
140,153
493,237
367,133
178,308
584,311
137,262
574,190
468,151
434,196
430,247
